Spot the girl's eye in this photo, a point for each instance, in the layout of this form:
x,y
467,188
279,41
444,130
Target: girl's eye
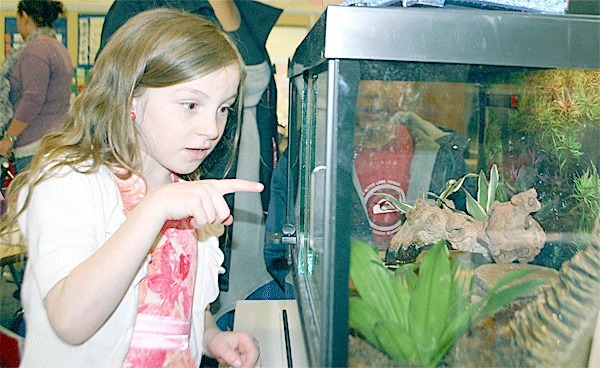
x,y
225,109
189,105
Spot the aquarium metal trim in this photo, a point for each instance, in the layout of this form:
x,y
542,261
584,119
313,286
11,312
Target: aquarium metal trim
x,y
453,35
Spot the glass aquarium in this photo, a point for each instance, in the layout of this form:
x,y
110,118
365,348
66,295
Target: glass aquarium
x,y
464,134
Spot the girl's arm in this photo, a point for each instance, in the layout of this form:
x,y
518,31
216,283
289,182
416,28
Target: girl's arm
x,y
80,303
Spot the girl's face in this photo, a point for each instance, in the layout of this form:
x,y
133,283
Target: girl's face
x,y
181,124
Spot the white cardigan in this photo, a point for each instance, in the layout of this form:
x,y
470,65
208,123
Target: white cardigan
x,y
69,217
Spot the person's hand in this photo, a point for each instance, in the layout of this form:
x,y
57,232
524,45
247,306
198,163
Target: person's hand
x,y
227,13
236,349
5,147
407,116
201,200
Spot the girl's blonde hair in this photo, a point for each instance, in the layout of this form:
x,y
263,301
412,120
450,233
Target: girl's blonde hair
x,y
156,48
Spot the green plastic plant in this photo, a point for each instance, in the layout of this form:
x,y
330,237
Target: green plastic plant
x,y
556,106
452,186
477,208
416,318
586,192
486,195
547,139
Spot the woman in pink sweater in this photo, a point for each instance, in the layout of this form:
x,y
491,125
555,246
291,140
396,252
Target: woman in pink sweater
x,y
35,82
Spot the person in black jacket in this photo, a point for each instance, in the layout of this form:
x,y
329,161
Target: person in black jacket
x,y
249,23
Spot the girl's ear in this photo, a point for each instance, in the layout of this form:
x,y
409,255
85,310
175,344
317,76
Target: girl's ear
x,y
137,108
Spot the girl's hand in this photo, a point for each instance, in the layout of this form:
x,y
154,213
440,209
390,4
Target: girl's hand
x,y
201,200
236,349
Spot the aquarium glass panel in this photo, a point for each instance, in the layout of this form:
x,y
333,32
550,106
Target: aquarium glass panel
x,y
310,198
499,163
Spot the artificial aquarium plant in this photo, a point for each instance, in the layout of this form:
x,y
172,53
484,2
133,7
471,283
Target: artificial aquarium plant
x,y
548,140
486,195
487,192
559,112
504,230
586,192
416,314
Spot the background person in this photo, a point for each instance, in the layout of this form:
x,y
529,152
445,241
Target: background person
x,y
123,253
35,82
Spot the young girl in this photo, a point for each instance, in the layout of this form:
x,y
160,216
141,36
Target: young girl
x,y
122,253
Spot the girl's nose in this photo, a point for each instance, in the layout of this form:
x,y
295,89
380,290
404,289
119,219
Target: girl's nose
x,y
208,126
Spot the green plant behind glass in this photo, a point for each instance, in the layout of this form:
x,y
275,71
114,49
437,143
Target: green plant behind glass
x,y
487,193
416,318
586,191
547,140
554,109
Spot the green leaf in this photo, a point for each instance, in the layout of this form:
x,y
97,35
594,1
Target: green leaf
x,y
460,183
446,192
430,300
375,283
363,318
493,186
474,208
417,319
401,206
406,280
457,326
459,316
370,277
462,281
441,202
511,277
397,343
482,190
453,186
500,297
406,276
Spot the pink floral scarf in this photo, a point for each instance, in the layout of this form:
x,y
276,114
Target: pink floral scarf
x,y
162,328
